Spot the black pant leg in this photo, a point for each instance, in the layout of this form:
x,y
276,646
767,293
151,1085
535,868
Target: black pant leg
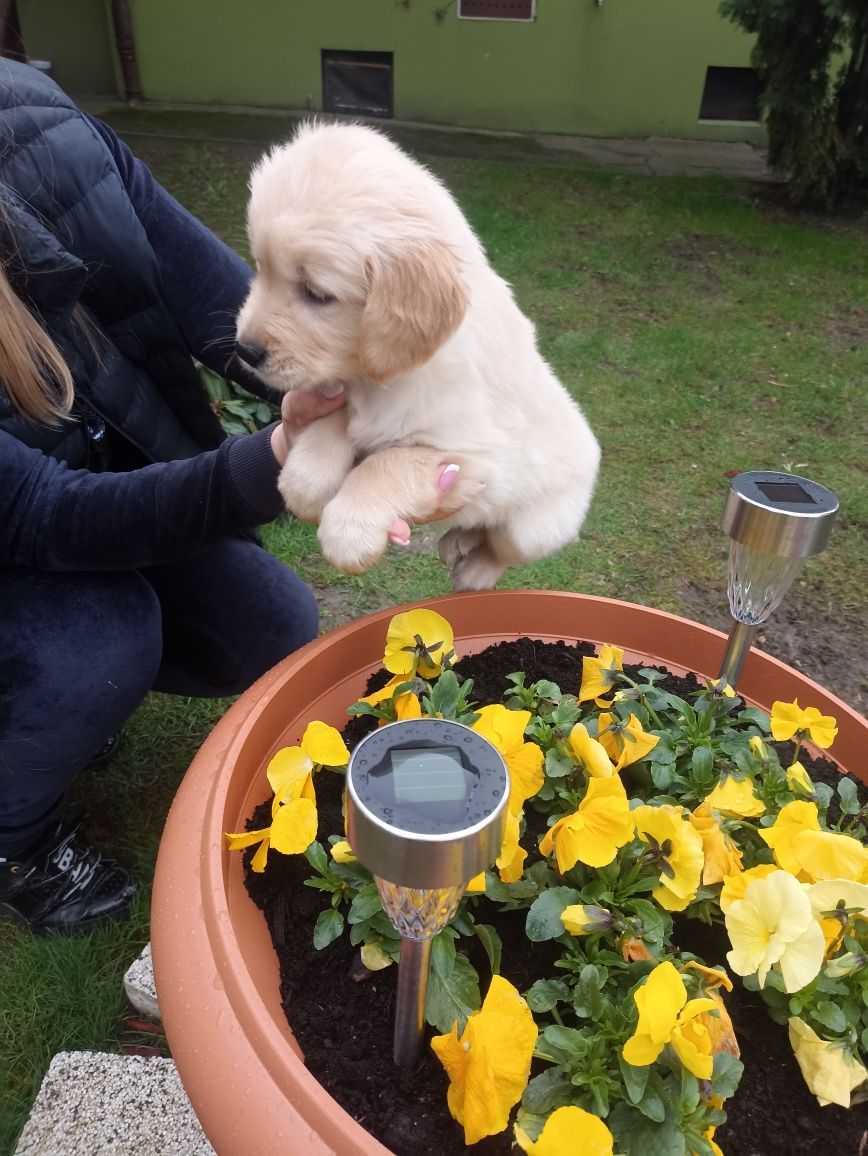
x,y
229,614
78,653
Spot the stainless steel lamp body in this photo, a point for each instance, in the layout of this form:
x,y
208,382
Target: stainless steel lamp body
x,y
775,521
421,876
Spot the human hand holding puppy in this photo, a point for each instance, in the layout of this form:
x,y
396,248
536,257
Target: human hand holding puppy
x,y
298,411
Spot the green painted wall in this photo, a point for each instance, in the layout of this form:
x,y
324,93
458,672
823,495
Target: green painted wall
x,y
75,36
628,68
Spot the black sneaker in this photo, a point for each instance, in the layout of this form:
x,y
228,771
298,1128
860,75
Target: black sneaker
x,y
62,885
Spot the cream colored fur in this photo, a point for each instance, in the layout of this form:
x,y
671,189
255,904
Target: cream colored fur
x,y
368,274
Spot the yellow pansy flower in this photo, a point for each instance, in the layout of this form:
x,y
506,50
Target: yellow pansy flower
x,y
419,642
830,855
625,742
825,897
567,1132
666,1016
719,1024
510,860
677,853
594,833
758,747
476,886
830,1068
721,688
293,809
342,852
407,705
789,720
489,1063
722,856
790,821
586,918
599,673
735,885
505,729
589,752
734,796
774,924
799,780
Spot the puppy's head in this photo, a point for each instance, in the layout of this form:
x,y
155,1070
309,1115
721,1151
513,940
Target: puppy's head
x,y
358,256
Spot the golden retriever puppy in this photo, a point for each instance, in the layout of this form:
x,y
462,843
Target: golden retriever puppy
x,y
369,275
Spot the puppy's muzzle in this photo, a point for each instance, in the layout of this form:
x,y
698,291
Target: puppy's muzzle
x,y
251,353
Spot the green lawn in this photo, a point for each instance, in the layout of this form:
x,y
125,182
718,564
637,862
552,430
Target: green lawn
x,y
703,330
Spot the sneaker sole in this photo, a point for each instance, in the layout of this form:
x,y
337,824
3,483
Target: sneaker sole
x,y
83,927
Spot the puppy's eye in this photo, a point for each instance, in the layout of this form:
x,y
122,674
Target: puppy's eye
x,y
314,296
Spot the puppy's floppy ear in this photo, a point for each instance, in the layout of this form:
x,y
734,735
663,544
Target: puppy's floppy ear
x,y
416,299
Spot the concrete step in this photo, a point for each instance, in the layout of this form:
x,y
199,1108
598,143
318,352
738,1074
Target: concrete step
x,y
95,1104
140,989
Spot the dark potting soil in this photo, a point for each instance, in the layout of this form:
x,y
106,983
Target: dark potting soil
x,y
342,1016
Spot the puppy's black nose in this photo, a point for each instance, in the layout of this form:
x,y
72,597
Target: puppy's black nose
x,y
251,352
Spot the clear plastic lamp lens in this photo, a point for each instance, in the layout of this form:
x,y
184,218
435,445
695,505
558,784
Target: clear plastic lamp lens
x,y
415,913
758,582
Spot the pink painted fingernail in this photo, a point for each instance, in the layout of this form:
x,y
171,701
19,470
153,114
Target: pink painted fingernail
x,y
332,390
448,476
398,540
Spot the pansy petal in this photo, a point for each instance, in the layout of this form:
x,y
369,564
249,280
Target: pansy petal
x,y
488,1067
693,1047
785,719
294,827
830,855
323,744
286,770
803,958
567,1132
830,1069
590,753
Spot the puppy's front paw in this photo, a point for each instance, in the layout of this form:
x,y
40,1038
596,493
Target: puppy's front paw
x,y
300,496
348,542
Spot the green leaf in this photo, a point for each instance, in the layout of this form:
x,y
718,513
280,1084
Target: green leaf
x,y
689,1092
634,1079
444,695
365,904
544,916
317,857
849,796
452,997
752,715
327,928
558,766
830,1016
636,1135
565,1045
443,953
492,943
703,764
546,993
549,1090
726,1075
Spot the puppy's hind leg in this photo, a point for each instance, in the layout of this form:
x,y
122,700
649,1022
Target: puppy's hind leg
x,y
532,533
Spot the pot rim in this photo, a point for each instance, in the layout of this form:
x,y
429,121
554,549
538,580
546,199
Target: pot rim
x,y
205,907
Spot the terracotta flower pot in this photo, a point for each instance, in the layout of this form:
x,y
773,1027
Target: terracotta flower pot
x,y
216,971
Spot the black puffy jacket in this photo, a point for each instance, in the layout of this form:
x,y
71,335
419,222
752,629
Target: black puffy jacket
x,y
85,225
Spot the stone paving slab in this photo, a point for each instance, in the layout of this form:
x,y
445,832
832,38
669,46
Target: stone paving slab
x,y
140,988
94,1104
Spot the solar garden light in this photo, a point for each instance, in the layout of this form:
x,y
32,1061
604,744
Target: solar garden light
x,y
775,521
426,810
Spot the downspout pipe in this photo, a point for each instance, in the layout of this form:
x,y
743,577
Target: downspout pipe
x,y
126,46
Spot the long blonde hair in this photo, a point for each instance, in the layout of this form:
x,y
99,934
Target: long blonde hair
x,y
33,373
